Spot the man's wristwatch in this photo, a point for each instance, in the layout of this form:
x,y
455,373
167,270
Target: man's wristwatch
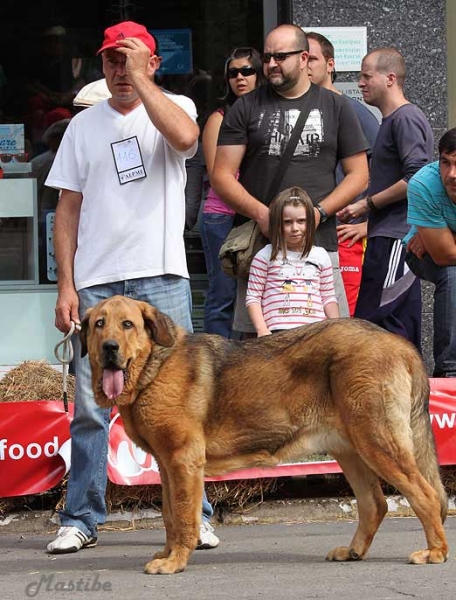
x,y
370,203
323,214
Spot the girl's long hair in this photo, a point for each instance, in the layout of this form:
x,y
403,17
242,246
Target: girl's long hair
x,y
294,196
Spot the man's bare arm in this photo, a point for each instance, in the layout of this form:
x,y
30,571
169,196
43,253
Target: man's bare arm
x,y
65,244
394,193
440,244
179,130
227,162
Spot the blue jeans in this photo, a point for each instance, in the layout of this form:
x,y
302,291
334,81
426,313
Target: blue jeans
x,y
85,499
221,293
444,279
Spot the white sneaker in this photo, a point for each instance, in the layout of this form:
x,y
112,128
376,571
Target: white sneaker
x,y
70,539
207,538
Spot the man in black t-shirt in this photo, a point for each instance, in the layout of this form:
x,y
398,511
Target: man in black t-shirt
x,y
254,135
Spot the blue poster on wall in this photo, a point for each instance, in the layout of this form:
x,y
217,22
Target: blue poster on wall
x,y
175,47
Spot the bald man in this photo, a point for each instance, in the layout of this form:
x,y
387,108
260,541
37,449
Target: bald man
x,y
390,295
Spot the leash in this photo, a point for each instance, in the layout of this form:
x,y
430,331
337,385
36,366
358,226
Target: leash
x,y
65,358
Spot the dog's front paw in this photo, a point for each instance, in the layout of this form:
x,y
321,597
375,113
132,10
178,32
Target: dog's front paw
x,y
163,566
343,553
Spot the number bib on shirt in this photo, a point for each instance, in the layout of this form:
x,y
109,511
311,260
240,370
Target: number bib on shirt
x,y
128,160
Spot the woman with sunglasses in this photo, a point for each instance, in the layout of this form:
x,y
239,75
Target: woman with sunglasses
x,y
243,73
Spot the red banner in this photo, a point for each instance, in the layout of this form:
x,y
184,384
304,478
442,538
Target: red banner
x,y
33,437
442,408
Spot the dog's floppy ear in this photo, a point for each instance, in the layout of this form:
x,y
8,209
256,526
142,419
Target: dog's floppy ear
x,y
158,324
83,333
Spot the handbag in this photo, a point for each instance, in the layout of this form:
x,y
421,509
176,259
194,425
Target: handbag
x,y
239,248
244,241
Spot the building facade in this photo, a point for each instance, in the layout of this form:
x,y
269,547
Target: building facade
x,y
49,53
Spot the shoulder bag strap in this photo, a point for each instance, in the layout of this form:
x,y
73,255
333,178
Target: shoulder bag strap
x,y
313,93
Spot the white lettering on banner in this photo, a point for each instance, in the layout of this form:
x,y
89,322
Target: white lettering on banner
x,y
125,456
444,420
32,450
349,269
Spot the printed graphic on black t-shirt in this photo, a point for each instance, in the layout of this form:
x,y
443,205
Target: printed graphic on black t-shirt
x,y
281,125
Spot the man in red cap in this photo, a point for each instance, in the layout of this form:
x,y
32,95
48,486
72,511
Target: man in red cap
x,y
119,230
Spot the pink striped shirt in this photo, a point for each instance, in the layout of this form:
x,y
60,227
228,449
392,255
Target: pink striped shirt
x,y
294,291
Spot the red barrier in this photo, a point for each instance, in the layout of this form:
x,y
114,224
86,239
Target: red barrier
x,y
32,435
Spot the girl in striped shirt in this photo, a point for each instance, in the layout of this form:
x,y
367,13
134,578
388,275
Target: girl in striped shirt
x,y
291,281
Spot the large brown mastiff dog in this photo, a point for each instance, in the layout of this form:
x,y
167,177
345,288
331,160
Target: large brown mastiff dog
x,y
202,404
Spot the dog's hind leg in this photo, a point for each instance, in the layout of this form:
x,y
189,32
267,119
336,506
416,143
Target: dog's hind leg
x,y
394,461
372,507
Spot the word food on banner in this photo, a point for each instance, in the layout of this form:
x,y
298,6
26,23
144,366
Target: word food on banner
x,y
31,437
33,450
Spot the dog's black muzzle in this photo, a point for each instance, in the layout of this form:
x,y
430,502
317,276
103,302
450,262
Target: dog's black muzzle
x,y
110,353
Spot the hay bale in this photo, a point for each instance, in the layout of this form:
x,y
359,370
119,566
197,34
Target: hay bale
x,y
132,497
223,495
30,381
35,380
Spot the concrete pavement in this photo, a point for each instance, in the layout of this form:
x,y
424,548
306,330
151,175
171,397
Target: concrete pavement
x,y
272,561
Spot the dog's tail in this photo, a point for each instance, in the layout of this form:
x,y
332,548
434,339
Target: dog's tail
x,y
423,437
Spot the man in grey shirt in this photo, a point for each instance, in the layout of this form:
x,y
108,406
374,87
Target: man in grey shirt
x,y
390,294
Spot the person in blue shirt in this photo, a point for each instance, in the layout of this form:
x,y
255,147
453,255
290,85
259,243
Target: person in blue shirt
x,y
431,245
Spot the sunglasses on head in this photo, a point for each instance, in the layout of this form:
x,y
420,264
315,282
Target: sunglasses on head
x,y
278,56
19,157
244,71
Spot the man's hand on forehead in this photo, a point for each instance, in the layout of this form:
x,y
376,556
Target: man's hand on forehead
x,y
133,44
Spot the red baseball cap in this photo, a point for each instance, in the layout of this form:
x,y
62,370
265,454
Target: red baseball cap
x,y
125,30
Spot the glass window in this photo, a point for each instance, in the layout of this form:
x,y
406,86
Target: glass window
x,y
57,57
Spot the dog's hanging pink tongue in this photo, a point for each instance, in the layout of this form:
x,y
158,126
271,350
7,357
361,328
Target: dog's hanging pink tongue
x,y
113,382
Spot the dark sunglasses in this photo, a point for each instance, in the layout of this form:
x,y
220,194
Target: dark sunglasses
x,y
278,56
18,157
244,71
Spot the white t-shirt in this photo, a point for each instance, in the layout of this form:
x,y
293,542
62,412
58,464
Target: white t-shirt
x,y
132,230
291,291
